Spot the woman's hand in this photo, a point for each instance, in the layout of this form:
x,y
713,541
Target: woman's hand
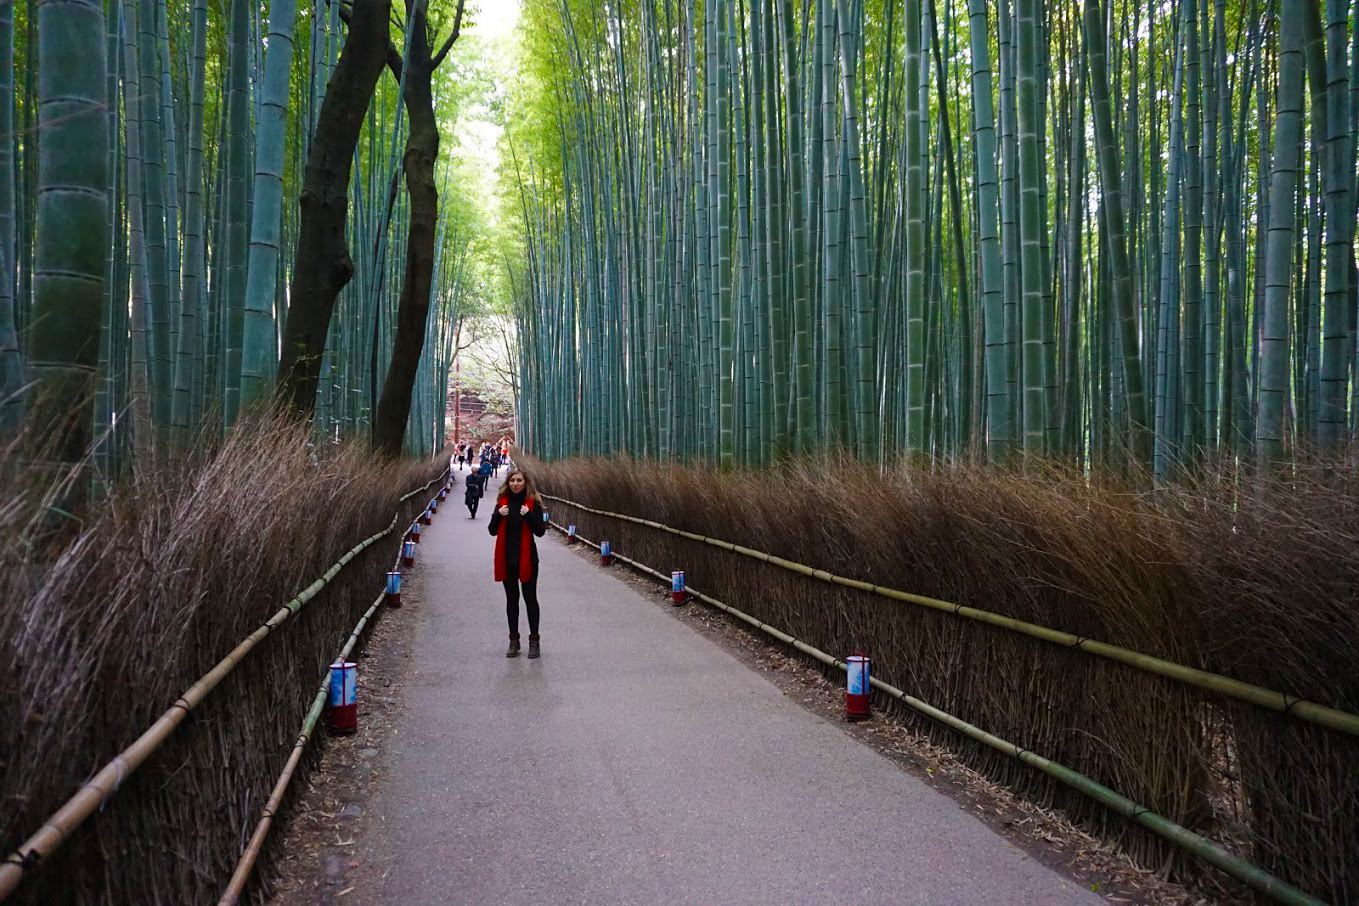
x,y
523,510
504,510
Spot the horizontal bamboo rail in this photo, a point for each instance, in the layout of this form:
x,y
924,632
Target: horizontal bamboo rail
x,y
105,783
1205,849
1302,709
252,852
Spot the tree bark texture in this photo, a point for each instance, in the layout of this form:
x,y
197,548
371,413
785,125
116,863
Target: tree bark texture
x,y
422,147
323,266
422,150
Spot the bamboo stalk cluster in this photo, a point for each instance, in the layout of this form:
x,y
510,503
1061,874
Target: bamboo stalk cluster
x,y
1110,233
150,207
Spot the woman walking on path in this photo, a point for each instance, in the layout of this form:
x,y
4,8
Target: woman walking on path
x,y
517,519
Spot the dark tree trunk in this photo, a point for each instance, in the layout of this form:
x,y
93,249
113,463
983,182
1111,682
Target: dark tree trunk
x,y
422,149
323,266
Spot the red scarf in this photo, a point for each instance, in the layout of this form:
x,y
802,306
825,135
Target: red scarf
x,y
525,544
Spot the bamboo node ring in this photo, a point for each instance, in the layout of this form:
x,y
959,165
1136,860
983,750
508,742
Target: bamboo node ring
x,y
120,771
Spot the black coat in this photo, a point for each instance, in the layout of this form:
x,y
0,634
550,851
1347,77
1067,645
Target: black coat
x,y
476,486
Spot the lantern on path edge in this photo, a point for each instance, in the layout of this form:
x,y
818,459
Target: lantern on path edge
x,y
857,687
394,587
605,553
677,586
343,713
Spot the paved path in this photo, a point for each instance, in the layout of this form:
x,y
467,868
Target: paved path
x,y
639,762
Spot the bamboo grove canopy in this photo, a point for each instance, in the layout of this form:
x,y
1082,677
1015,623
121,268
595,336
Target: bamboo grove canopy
x,y
161,165
1110,233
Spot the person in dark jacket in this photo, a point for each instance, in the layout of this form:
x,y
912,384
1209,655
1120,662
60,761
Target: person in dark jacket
x,y
517,520
476,487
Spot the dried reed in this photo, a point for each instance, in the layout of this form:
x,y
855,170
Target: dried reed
x,y
165,577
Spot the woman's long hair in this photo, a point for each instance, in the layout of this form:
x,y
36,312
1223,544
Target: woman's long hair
x,y
530,492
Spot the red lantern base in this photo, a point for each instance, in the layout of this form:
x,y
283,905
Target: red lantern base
x,y
394,600
857,707
343,720
407,561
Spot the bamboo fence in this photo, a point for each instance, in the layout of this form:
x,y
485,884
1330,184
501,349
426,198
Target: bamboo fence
x,y
1249,874
110,777
241,875
1302,709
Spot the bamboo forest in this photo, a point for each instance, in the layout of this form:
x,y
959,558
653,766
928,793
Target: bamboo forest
x,y
1108,234
979,380
174,183
1105,233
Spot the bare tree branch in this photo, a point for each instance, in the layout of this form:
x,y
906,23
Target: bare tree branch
x,y
448,45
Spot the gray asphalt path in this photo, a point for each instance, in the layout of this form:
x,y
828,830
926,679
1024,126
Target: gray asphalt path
x,y
639,762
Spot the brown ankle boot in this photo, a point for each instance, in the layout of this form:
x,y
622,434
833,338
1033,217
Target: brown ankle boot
x,y
533,646
514,646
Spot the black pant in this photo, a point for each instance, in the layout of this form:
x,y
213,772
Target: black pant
x,y
530,604
472,506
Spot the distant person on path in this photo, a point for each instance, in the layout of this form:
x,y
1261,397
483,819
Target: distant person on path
x,y
462,455
517,519
476,487
485,470
495,462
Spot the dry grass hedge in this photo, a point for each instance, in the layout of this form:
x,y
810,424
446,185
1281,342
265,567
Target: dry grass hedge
x,y
1261,584
167,576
